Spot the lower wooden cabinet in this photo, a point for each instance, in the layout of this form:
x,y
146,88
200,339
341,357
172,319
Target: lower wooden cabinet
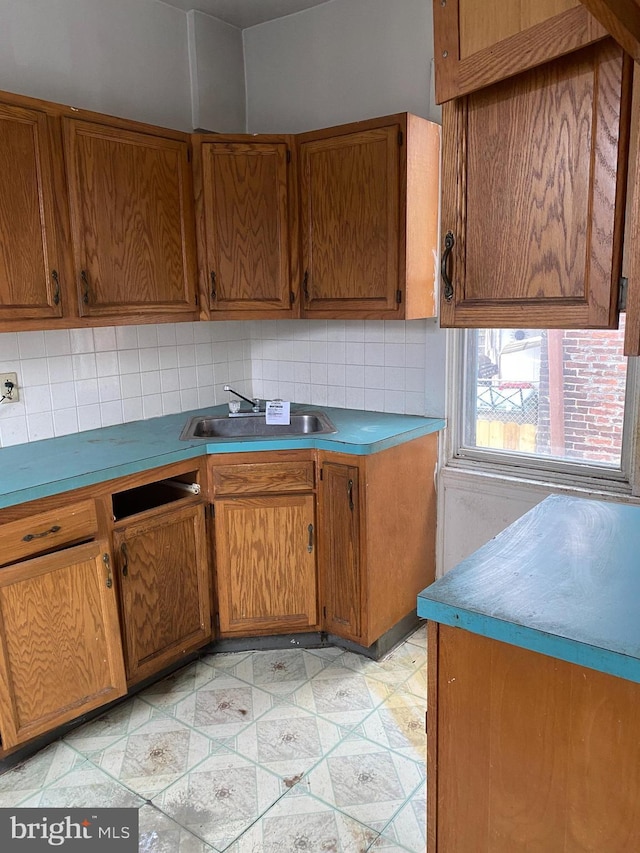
x,y
164,583
377,517
60,651
265,543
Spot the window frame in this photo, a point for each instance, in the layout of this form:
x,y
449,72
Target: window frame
x,y
551,471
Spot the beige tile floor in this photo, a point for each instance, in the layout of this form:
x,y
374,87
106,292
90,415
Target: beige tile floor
x,y
295,751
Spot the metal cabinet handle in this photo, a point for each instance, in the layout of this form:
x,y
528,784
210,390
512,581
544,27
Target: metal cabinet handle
x,y
350,494
30,536
310,531
56,292
105,560
125,559
305,285
85,286
449,241
213,284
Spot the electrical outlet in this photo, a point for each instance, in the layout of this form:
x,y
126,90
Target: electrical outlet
x,y
9,387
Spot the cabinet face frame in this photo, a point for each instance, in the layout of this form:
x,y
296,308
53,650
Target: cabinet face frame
x,y
96,259
35,178
596,305
458,73
263,202
82,564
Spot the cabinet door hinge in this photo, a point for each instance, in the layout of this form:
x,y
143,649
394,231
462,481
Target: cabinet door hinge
x,y
426,722
288,156
324,612
400,137
292,297
212,511
197,299
398,296
188,155
217,620
322,473
623,287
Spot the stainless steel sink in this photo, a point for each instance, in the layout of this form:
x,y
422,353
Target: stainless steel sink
x,y
255,426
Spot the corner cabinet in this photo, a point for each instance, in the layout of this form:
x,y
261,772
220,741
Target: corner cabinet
x,y
377,517
163,570
244,199
31,263
535,147
369,219
265,545
130,197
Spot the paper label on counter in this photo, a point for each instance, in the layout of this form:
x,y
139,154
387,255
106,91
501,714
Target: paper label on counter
x,y
278,412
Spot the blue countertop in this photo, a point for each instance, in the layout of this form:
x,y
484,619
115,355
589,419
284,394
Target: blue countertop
x,y
56,465
563,580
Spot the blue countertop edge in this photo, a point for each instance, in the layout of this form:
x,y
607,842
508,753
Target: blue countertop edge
x,y
30,460
553,645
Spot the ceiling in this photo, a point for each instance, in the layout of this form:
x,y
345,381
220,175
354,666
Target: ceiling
x,y
246,13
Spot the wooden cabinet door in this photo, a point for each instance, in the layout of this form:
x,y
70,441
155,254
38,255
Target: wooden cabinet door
x,y
342,606
132,221
478,42
245,208
349,219
164,582
60,650
30,262
533,196
266,564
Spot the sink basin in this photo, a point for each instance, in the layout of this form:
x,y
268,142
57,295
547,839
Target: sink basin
x,y
255,426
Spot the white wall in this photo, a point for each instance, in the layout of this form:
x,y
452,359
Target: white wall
x,y
339,62
216,60
118,57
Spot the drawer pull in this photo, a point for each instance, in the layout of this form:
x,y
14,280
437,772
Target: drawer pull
x,y
449,241
350,494
125,559
310,545
30,536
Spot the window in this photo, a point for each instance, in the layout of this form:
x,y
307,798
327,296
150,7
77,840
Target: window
x,y
545,398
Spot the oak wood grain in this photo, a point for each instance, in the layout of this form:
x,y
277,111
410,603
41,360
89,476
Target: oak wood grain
x,y
32,270
47,531
533,190
60,652
262,477
266,564
478,44
246,212
340,550
621,18
132,220
163,574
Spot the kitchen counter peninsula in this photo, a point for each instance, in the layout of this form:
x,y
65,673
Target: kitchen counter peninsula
x,y
534,686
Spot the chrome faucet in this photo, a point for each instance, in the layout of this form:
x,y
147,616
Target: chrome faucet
x,y
255,403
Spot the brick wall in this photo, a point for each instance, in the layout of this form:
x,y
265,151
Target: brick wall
x,y
594,374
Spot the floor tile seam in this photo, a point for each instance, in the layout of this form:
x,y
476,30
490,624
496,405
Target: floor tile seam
x,y
300,683
254,822
382,747
342,812
41,788
371,676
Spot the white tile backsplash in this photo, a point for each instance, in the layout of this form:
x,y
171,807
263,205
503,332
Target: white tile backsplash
x,y
79,379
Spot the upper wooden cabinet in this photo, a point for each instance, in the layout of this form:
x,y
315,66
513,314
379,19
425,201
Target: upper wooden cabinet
x,y
132,226
244,197
533,195
478,43
31,269
369,219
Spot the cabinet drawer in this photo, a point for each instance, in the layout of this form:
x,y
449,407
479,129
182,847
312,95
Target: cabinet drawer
x,y
47,531
263,478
